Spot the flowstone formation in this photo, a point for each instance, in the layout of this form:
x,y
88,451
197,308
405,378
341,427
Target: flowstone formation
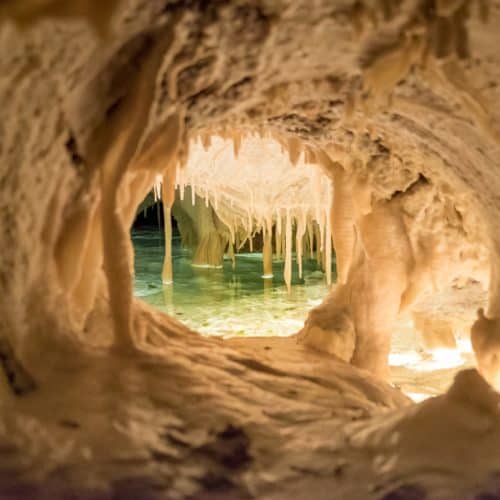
x,y
396,102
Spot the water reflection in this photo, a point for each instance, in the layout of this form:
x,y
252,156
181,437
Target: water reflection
x,y
225,301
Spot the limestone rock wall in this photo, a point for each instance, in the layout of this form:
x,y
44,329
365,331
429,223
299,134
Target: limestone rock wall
x,y
400,98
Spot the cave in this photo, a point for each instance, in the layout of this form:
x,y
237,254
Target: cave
x,y
349,150
243,248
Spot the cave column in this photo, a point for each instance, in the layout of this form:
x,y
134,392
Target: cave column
x,y
168,197
355,322
167,275
377,280
267,253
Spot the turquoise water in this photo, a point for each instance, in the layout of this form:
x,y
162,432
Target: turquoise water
x,y
227,301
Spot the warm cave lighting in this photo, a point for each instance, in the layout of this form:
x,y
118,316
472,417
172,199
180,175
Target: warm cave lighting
x,y
250,254
436,359
250,249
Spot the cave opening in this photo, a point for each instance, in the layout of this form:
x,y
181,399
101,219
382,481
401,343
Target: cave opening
x,y
234,269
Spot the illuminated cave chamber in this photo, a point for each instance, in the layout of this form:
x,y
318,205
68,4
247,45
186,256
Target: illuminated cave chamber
x,y
246,239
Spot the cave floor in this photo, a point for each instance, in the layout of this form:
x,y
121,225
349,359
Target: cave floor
x,y
198,417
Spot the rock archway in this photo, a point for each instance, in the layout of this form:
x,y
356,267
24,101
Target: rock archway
x,y
396,101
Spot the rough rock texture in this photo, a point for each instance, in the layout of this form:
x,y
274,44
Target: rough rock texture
x,y
397,101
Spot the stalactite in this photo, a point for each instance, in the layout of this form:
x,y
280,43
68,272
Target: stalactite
x,y
310,234
322,227
245,202
168,196
299,235
267,253
288,251
206,140
328,242
283,241
277,237
167,276
298,246
230,251
236,145
294,150
182,187
317,243
305,244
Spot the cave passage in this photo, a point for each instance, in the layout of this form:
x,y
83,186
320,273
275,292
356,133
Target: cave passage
x,y
227,301
241,245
